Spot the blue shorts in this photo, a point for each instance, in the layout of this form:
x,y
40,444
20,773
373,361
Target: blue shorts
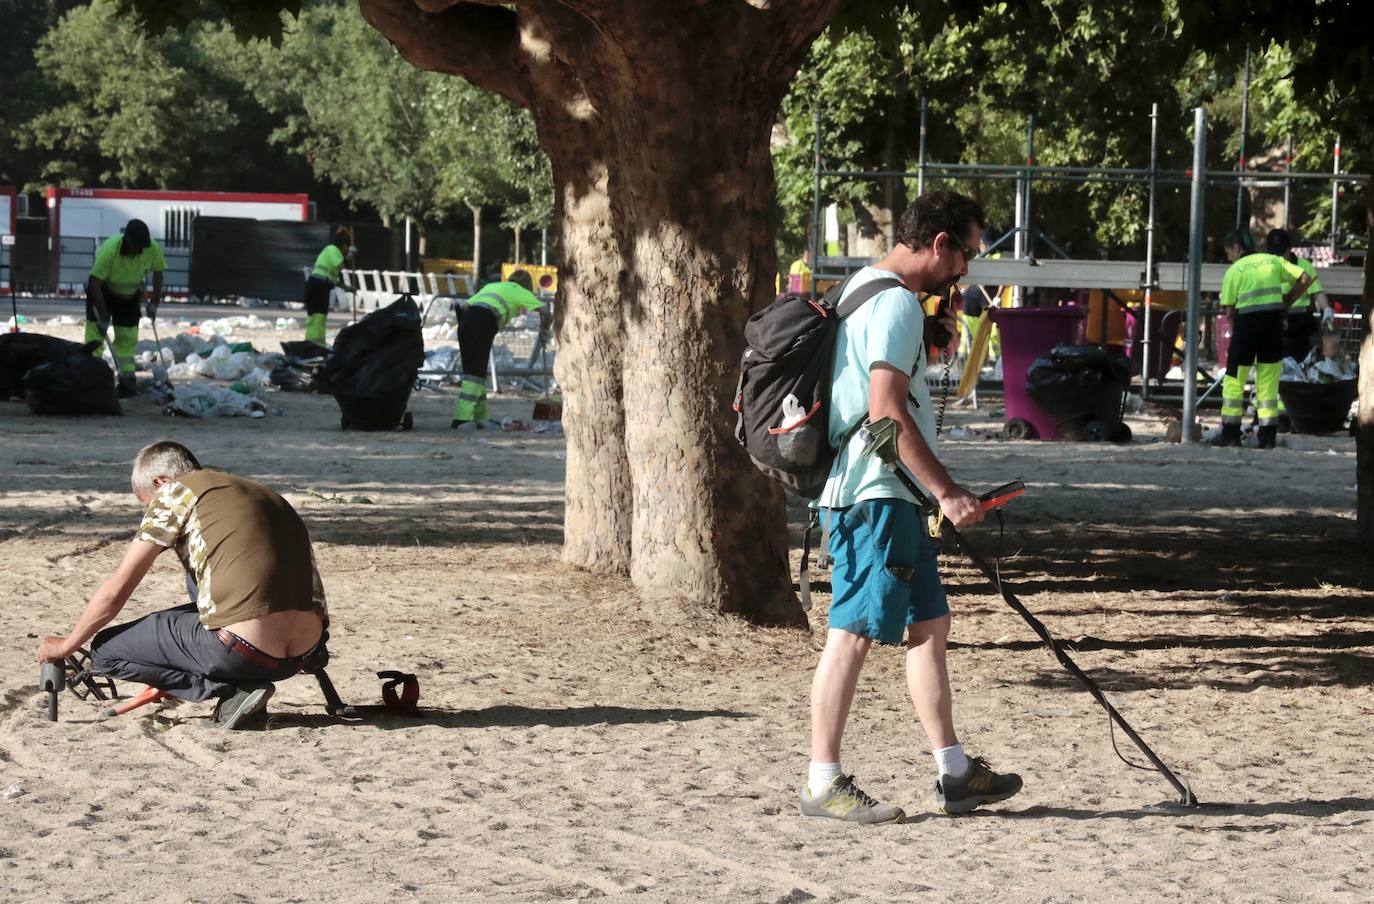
x,y
885,575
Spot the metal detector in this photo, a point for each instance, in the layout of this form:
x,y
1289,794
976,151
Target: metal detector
x,y
880,439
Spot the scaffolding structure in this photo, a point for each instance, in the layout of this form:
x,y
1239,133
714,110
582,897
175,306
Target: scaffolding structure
x,y
1025,271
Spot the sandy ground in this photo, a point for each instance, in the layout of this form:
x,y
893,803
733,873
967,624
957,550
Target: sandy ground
x,y
582,740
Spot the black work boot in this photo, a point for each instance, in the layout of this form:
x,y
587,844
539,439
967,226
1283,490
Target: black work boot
x,y
1229,436
1268,437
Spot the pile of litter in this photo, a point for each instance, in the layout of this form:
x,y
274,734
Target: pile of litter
x,y
225,364
201,398
440,332
1316,368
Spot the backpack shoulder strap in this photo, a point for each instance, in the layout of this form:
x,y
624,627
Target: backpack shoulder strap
x,y
856,299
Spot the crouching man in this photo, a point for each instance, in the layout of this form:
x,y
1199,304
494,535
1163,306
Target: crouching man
x,y
259,613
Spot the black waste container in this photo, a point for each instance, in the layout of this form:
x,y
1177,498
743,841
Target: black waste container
x,y
373,366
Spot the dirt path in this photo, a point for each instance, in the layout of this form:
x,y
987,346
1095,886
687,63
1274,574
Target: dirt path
x,y
586,741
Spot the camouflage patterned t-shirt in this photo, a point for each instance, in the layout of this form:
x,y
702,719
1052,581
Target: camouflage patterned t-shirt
x,y
245,546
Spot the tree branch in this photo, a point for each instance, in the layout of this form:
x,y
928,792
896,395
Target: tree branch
x,y
477,42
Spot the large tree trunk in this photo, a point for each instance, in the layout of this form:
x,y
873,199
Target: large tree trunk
x,y
665,194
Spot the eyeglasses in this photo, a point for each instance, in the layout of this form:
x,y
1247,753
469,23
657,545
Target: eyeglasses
x,y
968,255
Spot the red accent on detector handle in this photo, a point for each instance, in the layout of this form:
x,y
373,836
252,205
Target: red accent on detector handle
x,y
1002,495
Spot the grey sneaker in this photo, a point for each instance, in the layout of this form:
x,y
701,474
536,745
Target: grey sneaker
x,y
844,800
980,785
238,708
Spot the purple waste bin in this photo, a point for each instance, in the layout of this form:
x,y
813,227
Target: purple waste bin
x,y
1028,333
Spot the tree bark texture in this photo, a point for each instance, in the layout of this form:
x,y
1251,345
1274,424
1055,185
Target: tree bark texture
x,y
656,119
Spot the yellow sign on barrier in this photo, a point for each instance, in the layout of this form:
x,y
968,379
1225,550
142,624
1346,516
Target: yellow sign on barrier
x,y
545,276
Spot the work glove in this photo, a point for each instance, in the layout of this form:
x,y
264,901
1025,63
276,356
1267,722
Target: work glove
x,y
151,308
1328,316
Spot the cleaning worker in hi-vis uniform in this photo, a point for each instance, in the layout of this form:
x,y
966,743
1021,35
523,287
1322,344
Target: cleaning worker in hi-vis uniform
x,y
113,291
321,283
1258,290
494,305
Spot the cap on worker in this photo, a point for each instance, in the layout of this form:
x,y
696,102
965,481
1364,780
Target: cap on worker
x,y
136,235
1240,238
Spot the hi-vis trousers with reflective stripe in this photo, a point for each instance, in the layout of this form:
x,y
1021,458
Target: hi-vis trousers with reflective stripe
x,y
1256,341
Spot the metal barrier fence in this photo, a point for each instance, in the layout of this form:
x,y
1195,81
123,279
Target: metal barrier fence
x,y
76,257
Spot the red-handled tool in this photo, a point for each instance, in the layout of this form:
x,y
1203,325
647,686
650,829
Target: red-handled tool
x,y
1002,495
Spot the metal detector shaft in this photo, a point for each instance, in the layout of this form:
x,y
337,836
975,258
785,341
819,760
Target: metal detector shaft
x,y
880,438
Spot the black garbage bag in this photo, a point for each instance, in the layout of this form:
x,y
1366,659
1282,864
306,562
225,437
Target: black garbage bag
x,y
76,384
1079,386
304,368
21,352
374,364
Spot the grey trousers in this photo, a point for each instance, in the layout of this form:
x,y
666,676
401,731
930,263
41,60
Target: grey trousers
x,y
173,652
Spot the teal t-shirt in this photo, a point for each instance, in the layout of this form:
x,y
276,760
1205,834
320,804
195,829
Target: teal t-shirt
x,y
888,328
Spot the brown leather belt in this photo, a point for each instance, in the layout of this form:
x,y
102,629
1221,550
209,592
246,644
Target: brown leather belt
x,y
236,644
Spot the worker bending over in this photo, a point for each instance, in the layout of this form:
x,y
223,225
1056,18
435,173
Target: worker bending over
x,y
114,289
487,313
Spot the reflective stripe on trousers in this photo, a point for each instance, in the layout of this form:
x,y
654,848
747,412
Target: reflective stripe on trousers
x,y
1266,394
472,400
125,344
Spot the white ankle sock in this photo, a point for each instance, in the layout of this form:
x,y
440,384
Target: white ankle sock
x,y
952,760
820,775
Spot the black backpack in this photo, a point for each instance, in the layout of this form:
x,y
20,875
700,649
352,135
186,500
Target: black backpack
x,y
783,397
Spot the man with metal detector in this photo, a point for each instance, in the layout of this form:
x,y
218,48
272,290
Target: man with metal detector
x,y
885,579
113,291
259,614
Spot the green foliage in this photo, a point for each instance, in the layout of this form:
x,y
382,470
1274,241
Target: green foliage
x,y
128,108
1089,72
394,138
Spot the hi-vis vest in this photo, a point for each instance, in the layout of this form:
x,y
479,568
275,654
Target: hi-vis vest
x,y
505,300
1305,303
1257,282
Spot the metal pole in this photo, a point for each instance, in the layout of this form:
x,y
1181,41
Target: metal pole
x,y
1030,162
1244,130
1018,241
816,204
408,268
544,246
1195,238
921,154
1288,186
1335,194
1147,344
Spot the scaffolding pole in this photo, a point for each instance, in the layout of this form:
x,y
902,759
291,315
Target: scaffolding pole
x,y
816,200
1335,195
1189,434
921,154
1288,186
1244,133
1030,165
1147,344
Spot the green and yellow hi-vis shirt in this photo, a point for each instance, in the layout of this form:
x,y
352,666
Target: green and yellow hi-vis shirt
x,y
1305,303
246,547
329,263
125,273
506,300
1258,282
